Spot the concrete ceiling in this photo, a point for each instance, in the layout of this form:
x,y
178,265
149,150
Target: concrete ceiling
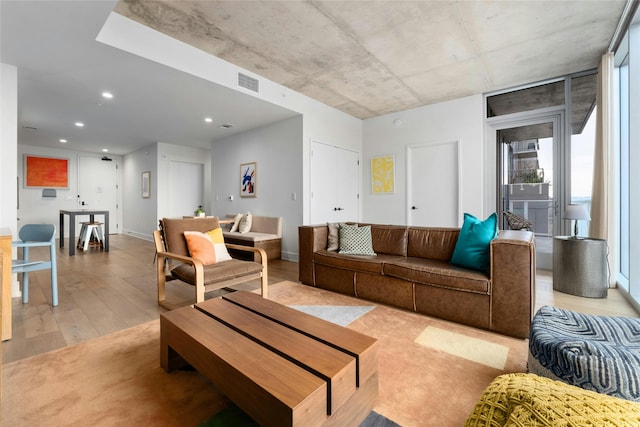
x,y
366,58
369,58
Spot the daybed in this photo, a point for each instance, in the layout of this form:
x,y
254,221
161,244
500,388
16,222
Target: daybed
x,y
412,270
265,233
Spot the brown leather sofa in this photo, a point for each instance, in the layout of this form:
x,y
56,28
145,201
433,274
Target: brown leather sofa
x,y
412,271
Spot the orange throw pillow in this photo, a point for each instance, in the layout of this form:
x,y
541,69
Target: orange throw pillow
x,y
207,247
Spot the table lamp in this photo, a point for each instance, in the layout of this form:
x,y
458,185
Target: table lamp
x,y
576,212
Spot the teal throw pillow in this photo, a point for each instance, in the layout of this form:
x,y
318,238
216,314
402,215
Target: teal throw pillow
x,y
355,240
472,247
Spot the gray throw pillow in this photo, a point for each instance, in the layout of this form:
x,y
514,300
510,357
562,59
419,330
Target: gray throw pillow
x,y
356,240
245,223
333,240
236,223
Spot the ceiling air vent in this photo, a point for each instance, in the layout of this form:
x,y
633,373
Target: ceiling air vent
x,y
248,82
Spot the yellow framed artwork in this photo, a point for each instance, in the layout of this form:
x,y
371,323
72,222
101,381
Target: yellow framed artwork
x,y
383,171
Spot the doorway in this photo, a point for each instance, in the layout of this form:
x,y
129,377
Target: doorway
x,y
98,188
531,181
433,205
186,188
334,184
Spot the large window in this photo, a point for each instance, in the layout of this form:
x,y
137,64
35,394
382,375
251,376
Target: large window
x,y
623,132
627,106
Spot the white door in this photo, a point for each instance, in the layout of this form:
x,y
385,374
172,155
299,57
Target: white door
x,y
334,184
433,185
186,188
98,188
346,165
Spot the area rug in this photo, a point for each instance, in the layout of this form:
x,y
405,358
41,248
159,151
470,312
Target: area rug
x,y
470,348
116,380
340,315
232,416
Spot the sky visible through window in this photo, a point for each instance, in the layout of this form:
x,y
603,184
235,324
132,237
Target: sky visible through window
x,y
582,152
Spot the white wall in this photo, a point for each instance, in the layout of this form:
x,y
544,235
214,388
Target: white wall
x,y
141,215
457,120
8,146
35,209
277,150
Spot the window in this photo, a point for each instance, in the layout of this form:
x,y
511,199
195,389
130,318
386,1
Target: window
x,y
627,105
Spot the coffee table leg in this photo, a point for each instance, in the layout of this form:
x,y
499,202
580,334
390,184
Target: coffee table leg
x,y
170,360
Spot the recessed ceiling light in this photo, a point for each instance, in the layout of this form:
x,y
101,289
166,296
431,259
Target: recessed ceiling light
x,y
107,95
64,141
208,119
105,150
79,124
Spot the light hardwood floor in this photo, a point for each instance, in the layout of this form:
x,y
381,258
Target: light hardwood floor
x,y
102,292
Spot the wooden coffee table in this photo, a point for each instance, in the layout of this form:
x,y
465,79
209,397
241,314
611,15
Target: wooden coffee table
x,y
279,365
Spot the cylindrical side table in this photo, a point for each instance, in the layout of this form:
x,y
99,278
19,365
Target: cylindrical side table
x,y
580,266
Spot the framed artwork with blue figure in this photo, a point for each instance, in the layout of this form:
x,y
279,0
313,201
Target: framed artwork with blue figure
x,y
248,179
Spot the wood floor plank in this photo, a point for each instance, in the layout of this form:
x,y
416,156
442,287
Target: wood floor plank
x,y
75,326
33,346
102,319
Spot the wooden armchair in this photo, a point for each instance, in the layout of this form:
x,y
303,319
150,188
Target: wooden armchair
x,y
174,262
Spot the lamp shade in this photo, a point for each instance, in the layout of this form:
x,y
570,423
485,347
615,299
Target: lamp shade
x,y
578,212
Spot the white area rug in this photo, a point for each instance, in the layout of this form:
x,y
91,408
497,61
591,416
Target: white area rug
x,y
340,315
473,349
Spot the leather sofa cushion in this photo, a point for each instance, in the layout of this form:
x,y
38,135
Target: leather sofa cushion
x,y
438,273
389,239
364,263
432,243
216,273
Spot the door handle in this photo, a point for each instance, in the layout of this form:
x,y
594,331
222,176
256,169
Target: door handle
x,y
413,208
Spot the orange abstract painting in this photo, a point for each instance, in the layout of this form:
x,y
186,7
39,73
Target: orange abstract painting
x,y
46,172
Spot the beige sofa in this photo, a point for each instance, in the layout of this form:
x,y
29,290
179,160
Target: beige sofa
x,y
412,271
265,234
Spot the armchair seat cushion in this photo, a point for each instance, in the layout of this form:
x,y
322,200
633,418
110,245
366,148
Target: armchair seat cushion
x,y
216,273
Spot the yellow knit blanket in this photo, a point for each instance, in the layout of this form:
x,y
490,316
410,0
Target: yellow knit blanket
x,y
530,400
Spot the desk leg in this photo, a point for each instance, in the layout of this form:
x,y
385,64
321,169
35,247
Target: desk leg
x,y
106,232
61,229
72,235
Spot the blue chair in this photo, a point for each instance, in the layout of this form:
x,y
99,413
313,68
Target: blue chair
x,y
32,235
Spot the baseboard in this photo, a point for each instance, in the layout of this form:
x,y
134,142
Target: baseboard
x,y
142,236
290,256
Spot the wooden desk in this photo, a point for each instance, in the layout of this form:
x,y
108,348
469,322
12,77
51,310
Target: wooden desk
x,y
72,227
279,365
5,294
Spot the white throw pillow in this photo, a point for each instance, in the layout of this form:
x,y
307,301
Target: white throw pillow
x,y
245,223
236,223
